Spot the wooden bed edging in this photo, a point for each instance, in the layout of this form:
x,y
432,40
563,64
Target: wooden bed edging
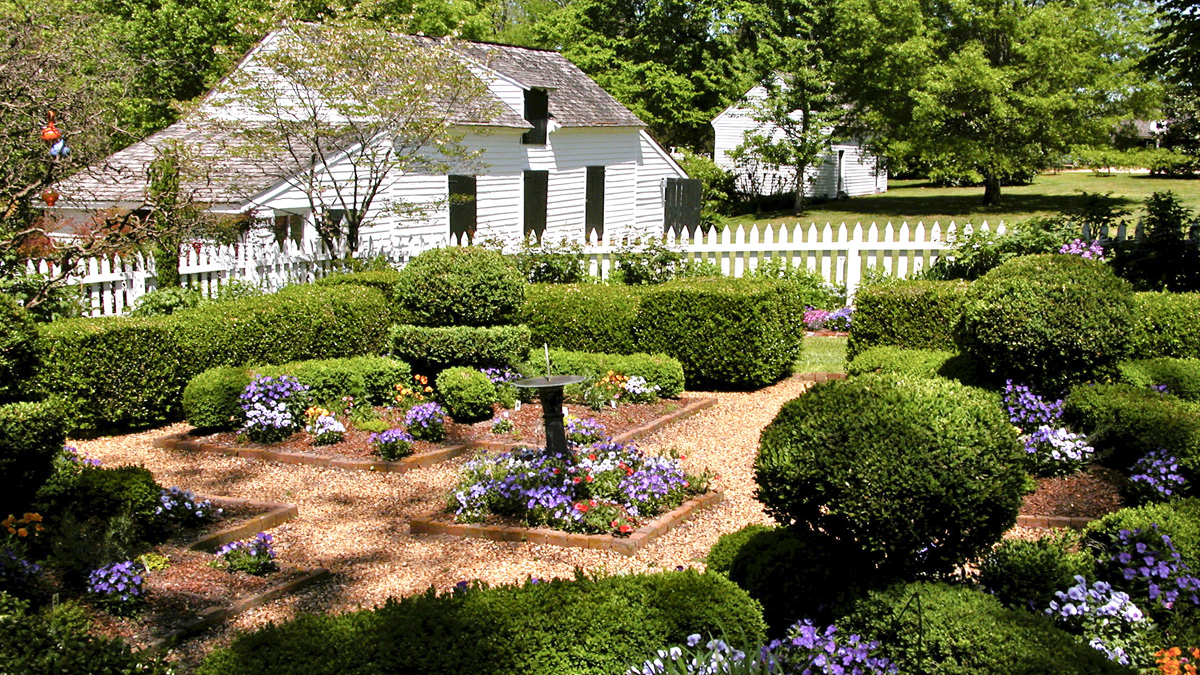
x,y
277,514
604,542
1047,522
820,377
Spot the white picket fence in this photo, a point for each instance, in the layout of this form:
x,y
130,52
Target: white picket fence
x,y
840,254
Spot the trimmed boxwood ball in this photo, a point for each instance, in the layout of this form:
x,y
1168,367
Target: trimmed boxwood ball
x,y
579,627
467,394
1026,574
212,400
433,349
1125,423
959,630
461,286
1047,321
922,473
18,353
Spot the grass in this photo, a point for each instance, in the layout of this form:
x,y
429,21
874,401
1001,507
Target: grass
x,y
917,200
822,355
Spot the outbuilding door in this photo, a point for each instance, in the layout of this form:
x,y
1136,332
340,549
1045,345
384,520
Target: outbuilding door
x,y
681,205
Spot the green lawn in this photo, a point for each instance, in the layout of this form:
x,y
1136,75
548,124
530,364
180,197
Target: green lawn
x,y
822,355
916,200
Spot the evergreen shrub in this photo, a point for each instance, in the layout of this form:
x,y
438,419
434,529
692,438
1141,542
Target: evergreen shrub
x,y
911,362
430,350
1125,423
584,627
18,351
1047,321
1180,376
1166,324
587,317
659,369
1026,574
460,286
467,394
31,436
922,474
211,400
912,314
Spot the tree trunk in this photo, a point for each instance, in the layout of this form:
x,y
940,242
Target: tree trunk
x,y
991,190
798,205
166,266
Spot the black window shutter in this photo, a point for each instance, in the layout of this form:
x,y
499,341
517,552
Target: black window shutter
x,y
537,189
537,113
281,228
593,216
462,208
681,205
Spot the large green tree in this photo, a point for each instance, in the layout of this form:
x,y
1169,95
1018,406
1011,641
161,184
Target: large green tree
x,y
988,89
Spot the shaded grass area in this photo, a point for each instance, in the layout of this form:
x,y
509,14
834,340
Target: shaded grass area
x,y
822,355
917,200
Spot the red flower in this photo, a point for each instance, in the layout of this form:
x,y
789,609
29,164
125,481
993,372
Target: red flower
x,y
624,529
581,507
589,478
557,471
576,480
614,523
592,457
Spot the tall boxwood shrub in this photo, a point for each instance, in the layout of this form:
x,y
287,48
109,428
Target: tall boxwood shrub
x,y
1166,324
911,314
1047,321
584,627
461,286
921,473
31,435
727,333
18,354
586,318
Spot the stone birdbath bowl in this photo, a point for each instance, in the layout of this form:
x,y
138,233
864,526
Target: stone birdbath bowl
x,y
550,391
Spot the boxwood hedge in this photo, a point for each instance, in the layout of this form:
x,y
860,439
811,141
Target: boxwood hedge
x,y
727,333
584,627
18,355
1180,376
1166,324
659,369
911,314
583,317
31,436
914,362
1124,423
432,349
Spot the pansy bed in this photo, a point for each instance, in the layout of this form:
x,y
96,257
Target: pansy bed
x,y
281,423
599,493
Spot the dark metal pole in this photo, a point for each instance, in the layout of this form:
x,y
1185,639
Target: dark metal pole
x,y
556,435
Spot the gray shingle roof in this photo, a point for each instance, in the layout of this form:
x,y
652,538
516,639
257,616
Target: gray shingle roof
x,y
575,100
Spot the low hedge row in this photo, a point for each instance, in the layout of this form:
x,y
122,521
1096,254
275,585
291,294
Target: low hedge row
x,y
583,317
31,436
1166,324
912,362
583,627
124,373
431,350
1124,423
659,369
211,399
18,356
912,314
1180,376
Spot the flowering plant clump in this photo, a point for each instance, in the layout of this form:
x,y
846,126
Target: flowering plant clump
x,y
502,424
1175,661
1149,563
27,525
15,569
117,586
1056,452
605,391
1027,409
638,390
599,488
584,431
183,508
80,458
1157,475
324,428
1090,250
807,650
268,403
253,556
500,375
407,396
824,319
392,444
1105,617
426,422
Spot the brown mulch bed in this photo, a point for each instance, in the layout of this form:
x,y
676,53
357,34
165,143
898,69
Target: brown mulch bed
x,y
1091,493
232,515
527,421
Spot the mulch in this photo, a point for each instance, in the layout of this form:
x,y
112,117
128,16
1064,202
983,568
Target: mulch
x,y
1091,493
527,422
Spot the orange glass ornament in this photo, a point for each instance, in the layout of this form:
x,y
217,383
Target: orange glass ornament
x,y
50,132
49,196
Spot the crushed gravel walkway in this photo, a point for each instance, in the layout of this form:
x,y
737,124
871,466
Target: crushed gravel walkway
x,y
355,523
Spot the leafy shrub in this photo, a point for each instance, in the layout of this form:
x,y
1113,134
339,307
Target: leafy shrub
x,y
211,400
911,314
584,627
380,375
923,475
817,291
1027,574
973,254
911,362
384,281
31,436
57,640
253,556
590,318
793,574
467,394
955,630
101,492
1048,321
1180,376
166,301
18,353
1166,258
1126,423
727,333
1166,324
546,263
328,380
434,349
659,370
1180,520
646,263
460,286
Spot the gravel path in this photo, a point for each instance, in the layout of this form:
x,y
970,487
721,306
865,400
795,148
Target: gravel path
x,y
355,523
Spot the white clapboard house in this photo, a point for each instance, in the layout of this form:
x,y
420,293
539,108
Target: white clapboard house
x,y
846,170
560,158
